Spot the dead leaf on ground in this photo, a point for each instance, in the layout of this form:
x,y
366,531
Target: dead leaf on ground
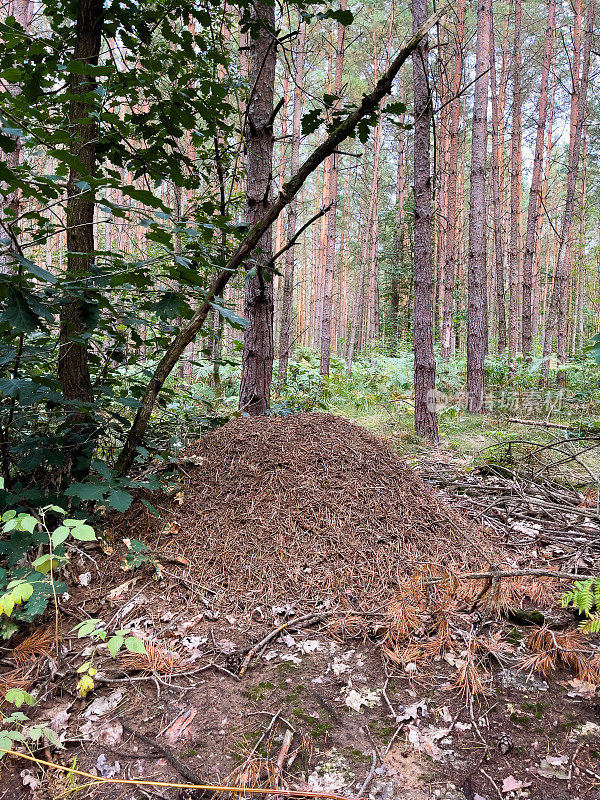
x,y
178,728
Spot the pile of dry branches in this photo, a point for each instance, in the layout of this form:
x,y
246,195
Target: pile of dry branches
x,y
528,504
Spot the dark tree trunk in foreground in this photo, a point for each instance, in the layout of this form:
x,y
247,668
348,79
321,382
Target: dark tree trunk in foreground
x,y
476,315
257,358
536,181
73,367
287,311
425,416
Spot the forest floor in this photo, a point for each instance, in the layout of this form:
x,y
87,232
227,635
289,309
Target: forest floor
x,y
335,701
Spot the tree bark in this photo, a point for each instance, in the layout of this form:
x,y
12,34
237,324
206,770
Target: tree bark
x,y
257,357
73,367
450,244
476,315
359,298
515,185
557,312
287,310
497,200
331,216
535,302
534,208
425,416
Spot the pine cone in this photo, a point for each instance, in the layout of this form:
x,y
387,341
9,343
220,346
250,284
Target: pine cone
x,y
505,743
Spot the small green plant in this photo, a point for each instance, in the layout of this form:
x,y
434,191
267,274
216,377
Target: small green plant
x,y
27,583
584,597
139,554
16,725
94,628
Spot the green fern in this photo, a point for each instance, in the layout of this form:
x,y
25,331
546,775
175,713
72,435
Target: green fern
x,y
584,597
592,624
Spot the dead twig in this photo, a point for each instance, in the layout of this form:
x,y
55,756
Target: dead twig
x,y
166,751
299,622
540,423
369,777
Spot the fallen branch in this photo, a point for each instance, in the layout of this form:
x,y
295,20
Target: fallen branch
x,y
187,773
517,573
541,424
369,777
366,108
303,622
169,785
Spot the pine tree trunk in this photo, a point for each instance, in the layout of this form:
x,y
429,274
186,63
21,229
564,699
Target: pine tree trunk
x,y
22,10
451,252
535,302
557,313
534,209
425,416
515,183
476,315
73,366
359,298
287,310
257,357
331,216
497,201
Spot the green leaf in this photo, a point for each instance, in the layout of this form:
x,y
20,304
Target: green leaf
x,y
60,535
145,197
86,491
19,697
5,744
114,645
52,737
84,533
171,305
19,314
86,628
135,645
119,500
7,605
36,270
22,592
237,322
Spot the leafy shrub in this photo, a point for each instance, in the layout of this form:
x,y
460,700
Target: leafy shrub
x,y
27,583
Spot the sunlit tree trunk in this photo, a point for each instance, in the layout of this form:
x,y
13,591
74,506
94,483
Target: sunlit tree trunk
x,y
287,307
331,216
515,186
476,314
557,312
535,301
497,201
451,252
534,209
